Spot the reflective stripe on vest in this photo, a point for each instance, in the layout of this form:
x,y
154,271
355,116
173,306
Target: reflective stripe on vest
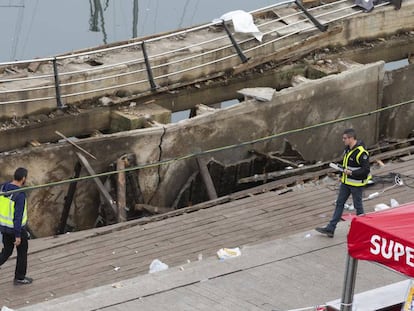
x,y
7,212
347,180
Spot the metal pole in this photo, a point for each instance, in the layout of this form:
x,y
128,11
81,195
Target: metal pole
x,y
239,51
208,181
321,27
148,65
349,283
57,86
135,15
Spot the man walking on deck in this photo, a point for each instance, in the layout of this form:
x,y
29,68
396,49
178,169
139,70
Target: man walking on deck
x,y
355,175
13,219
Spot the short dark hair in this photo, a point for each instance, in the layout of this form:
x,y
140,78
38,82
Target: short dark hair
x,y
20,173
350,133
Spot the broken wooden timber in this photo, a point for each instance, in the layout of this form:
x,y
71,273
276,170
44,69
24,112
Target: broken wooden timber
x,y
121,190
98,182
187,185
274,175
75,145
68,201
33,66
273,157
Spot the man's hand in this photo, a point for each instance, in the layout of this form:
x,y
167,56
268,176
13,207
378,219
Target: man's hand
x,y
17,241
348,172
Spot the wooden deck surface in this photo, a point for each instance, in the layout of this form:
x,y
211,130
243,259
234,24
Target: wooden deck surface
x,y
78,261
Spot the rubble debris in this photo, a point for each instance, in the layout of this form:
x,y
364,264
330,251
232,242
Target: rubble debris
x,y
151,209
157,266
33,66
204,109
411,58
105,101
34,143
263,94
298,79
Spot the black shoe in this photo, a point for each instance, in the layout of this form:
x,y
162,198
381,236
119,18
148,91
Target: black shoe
x,y
24,281
325,231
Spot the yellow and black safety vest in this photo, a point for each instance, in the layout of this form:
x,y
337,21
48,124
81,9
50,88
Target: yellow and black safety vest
x,y
348,180
7,212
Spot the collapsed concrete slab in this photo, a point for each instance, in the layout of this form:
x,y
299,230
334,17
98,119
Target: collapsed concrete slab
x,y
222,134
259,93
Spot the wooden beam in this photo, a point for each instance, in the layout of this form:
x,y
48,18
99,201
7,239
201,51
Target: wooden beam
x,y
121,191
99,183
186,186
273,157
280,159
75,145
68,201
208,182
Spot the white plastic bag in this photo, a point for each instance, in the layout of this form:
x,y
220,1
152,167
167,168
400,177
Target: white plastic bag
x,y
224,253
394,203
381,207
242,22
6,309
157,265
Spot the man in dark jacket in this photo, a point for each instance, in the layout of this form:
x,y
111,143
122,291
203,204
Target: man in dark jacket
x,y
355,175
13,220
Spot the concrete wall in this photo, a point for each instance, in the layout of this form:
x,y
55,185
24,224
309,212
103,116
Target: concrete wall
x,y
312,102
398,88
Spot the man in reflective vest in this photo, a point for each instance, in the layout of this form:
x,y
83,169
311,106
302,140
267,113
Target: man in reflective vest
x,y
13,219
355,175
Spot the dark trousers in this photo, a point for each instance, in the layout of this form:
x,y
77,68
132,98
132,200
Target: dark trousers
x,y
8,246
344,192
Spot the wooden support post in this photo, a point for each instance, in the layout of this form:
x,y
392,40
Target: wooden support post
x,y
349,283
121,191
68,201
98,182
208,182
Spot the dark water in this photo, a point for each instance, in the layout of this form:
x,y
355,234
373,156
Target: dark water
x,y
42,28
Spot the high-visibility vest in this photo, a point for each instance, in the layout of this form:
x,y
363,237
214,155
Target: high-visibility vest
x,y
348,180
7,212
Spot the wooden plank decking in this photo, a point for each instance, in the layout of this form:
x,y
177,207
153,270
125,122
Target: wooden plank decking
x,y
78,261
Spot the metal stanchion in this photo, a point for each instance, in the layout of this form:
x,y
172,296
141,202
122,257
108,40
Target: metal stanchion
x,y
349,283
243,57
57,86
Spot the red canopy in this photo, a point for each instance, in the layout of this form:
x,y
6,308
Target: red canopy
x,y
386,237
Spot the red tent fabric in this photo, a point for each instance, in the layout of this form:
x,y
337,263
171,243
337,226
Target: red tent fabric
x,y
386,237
